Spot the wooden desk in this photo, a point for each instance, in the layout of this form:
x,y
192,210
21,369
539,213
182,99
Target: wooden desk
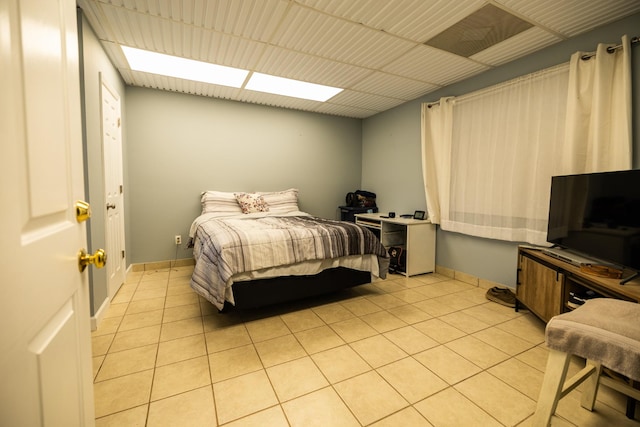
x,y
417,237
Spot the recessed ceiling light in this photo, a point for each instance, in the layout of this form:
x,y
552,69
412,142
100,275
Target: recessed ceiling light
x,y
288,87
182,68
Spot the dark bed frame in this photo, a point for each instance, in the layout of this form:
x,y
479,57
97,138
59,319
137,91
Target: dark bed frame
x,y
263,292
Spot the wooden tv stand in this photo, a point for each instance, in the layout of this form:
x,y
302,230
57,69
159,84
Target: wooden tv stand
x,y
544,284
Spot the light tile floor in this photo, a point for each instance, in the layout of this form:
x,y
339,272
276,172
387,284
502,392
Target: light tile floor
x,y
424,351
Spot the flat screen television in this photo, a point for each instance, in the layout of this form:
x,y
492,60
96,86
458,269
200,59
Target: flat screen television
x,y
597,215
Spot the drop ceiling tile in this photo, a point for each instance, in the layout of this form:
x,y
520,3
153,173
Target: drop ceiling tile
x,y
131,28
153,81
308,31
365,100
221,92
295,65
417,20
262,98
345,111
256,19
516,47
223,49
93,12
393,86
172,38
173,84
571,17
434,66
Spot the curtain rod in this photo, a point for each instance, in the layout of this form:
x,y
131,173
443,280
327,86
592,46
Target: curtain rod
x,y
611,49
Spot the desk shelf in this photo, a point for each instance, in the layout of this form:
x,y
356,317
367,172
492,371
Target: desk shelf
x,y
417,237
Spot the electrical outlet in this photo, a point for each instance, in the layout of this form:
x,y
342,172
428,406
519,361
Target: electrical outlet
x,y
178,239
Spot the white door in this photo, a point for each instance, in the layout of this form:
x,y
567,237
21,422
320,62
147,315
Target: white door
x,y
112,155
45,348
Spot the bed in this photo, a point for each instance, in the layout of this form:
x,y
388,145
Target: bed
x,y
256,249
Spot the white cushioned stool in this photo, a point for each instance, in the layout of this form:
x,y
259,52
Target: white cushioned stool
x,y
604,331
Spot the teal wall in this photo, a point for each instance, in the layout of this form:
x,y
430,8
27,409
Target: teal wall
x,y
96,65
179,145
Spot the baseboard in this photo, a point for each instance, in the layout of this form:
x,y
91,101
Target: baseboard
x,y
100,313
468,278
159,265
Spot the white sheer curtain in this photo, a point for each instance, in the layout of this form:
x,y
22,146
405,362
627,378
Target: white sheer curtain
x,y
488,156
436,150
598,132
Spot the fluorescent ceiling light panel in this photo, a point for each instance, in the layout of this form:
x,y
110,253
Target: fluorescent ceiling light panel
x,y
182,68
288,87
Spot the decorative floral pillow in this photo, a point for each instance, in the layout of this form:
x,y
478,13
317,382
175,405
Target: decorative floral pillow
x,y
250,202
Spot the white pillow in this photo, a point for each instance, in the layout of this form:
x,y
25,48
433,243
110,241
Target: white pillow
x,y
281,201
219,202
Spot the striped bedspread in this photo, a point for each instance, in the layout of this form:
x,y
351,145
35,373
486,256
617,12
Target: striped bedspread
x,y
231,245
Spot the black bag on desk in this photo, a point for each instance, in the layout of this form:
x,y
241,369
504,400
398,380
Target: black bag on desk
x,y
365,199
397,259
361,199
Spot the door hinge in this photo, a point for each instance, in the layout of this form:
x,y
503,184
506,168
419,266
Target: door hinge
x,y
118,121
122,254
120,188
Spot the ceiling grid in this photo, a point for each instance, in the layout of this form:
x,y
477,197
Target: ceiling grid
x,y
374,49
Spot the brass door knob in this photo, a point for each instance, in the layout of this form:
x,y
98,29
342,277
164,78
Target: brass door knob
x,y
99,259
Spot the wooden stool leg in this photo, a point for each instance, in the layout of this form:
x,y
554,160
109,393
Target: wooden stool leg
x,y
631,402
551,391
590,392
